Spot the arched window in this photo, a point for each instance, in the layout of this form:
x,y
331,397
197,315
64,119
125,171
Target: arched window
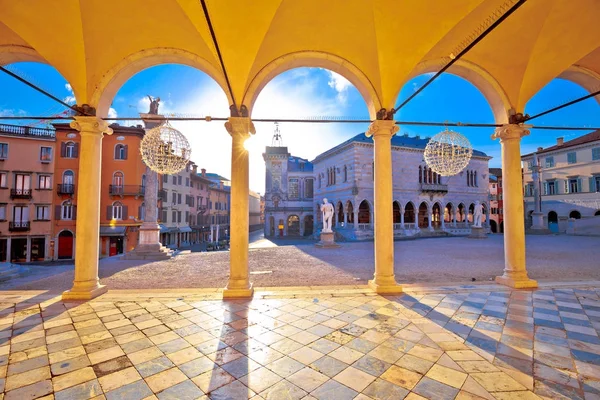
x,y
420,174
121,152
409,214
66,210
68,177
70,150
430,175
142,212
364,213
345,173
575,215
475,178
435,177
425,174
118,183
468,178
117,210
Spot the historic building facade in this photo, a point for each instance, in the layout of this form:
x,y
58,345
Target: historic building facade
x,y
176,191
568,184
496,200
289,194
424,202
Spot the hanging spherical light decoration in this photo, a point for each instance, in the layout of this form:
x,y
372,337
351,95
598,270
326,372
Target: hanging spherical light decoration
x,y
448,153
165,150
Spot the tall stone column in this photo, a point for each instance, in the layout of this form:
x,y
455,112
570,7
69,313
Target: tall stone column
x,y
383,280
429,218
240,129
86,284
515,271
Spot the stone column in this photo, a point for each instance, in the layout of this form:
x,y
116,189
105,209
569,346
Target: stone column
x,y
218,227
8,249
28,254
515,272
86,284
401,219
355,220
429,218
240,129
383,280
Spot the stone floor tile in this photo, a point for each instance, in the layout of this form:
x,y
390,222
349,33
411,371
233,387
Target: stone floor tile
x,y
386,354
27,378
240,366
384,390
33,391
225,355
234,390
73,378
433,389
426,353
165,379
414,364
371,365
197,366
447,376
137,390
120,378
306,355
283,390
354,378
186,390
333,390
285,366
346,354
260,379
82,391
154,366
104,355
497,382
401,377
66,354
26,365
307,379
212,379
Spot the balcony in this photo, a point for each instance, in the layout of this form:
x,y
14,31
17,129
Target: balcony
x,y
434,188
66,188
202,209
126,190
19,226
20,193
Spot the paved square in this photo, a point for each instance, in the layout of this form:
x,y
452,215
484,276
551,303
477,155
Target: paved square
x,y
439,343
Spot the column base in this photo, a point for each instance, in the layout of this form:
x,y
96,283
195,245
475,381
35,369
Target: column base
x,y
75,295
238,293
517,283
391,288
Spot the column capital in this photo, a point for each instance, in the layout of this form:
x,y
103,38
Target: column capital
x,y
382,127
91,125
240,126
511,131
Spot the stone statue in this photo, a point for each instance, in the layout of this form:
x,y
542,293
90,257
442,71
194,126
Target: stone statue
x,y
477,214
327,210
153,105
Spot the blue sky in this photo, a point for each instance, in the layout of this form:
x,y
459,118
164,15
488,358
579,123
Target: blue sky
x,y
305,92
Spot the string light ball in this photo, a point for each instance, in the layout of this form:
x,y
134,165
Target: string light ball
x,y
165,150
448,153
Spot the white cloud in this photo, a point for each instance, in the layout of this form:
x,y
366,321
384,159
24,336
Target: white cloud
x,y
340,85
70,99
112,113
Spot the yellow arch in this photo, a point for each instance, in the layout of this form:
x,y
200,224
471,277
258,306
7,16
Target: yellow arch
x,y
113,79
584,77
319,60
479,77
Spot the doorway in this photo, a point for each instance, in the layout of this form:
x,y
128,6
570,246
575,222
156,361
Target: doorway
x,y
553,221
116,245
65,245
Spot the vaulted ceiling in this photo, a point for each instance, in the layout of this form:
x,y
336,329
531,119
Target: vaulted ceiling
x,y
377,44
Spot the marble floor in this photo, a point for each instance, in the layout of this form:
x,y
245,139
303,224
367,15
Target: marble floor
x,y
464,343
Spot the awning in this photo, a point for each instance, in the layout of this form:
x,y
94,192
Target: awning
x,y
185,229
112,230
163,229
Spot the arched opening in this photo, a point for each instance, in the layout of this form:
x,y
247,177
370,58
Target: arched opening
x,y
448,213
340,213
364,213
597,213
350,212
575,214
65,245
293,225
529,221
118,183
308,225
67,210
409,213
502,227
280,227
460,213
423,215
116,211
493,226
396,212
553,221
471,212
436,216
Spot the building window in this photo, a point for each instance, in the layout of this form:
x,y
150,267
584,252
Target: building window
x,y
68,150
174,180
174,215
22,183
574,186
179,179
164,215
3,180
46,154
117,210
595,183
66,210
178,198
549,162
44,182
187,182
42,213
3,151
293,189
121,152
529,189
165,178
529,165
174,198
596,153
572,157
308,188
178,216
20,214
2,212
550,187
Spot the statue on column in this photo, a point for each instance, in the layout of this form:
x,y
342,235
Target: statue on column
x,y
477,214
327,210
154,103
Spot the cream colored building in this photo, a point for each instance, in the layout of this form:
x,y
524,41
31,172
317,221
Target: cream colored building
x,y
175,228
255,211
569,181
